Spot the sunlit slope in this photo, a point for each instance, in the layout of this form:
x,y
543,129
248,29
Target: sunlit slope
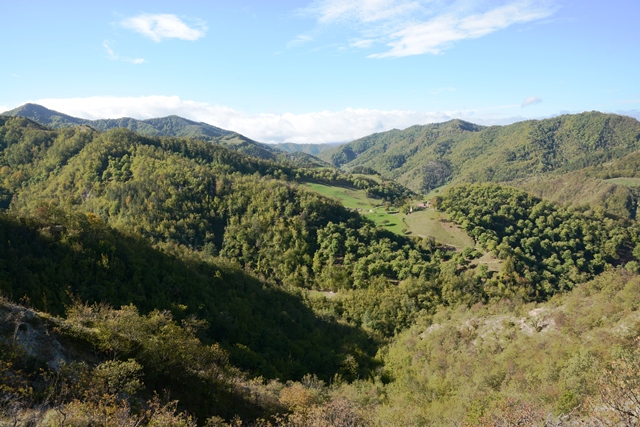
x,y
425,157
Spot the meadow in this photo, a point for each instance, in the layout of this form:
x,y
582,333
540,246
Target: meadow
x,y
421,223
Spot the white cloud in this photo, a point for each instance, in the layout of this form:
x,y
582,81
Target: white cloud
x,y
439,33
330,11
299,40
314,127
164,26
4,108
362,44
416,27
530,100
114,57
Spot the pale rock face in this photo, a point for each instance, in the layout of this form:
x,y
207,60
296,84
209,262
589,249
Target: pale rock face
x,y
31,330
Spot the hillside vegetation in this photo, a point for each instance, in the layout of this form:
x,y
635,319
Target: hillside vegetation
x,y
166,281
168,126
426,157
165,126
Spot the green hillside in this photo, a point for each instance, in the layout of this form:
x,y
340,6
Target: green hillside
x,y
572,361
425,157
165,126
168,126
151,281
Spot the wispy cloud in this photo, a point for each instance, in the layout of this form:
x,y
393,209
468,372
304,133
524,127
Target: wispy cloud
x,y
313,127
416,27
114,57
3,108
300,40
530,100
330,11
165,26
362,44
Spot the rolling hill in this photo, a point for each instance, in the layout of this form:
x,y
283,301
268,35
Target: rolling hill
x,y
426,157
240,291
174,126
164,126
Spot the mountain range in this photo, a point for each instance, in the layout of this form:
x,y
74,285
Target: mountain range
x,y
426,157
547,157
174,126
165,126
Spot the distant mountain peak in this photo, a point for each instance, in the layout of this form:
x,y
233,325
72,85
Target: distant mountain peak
x,y
45,116
172,125
463,125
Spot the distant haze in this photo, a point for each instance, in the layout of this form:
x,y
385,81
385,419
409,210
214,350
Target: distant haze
x,y
308,128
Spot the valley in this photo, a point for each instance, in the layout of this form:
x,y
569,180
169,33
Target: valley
x,y
446,274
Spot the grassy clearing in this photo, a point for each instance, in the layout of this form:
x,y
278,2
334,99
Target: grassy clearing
x,y
357,199
354,199
436,192
488,259
421,223
431,223
322,294
629,182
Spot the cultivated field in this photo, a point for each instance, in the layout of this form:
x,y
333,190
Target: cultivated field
x,y
422,223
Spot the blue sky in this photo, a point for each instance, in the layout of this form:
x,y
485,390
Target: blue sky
x,y
322,70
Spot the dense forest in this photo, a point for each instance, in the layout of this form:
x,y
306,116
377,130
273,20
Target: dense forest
x,y
173,280
425,157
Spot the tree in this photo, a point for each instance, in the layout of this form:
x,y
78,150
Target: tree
x,y
618,399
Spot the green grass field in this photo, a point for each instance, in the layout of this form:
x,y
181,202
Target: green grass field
x,y
629,182
436,191
421,223
357,199
322,294
354,199
436,224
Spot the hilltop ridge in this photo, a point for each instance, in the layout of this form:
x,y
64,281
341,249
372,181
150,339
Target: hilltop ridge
x,y
424,157
174,126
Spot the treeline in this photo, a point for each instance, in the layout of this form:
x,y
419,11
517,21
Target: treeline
x,y
546,248
583,192
379,188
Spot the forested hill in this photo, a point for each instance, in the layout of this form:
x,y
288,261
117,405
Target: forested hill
x,y
168,126
191,272
164,126
425,157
